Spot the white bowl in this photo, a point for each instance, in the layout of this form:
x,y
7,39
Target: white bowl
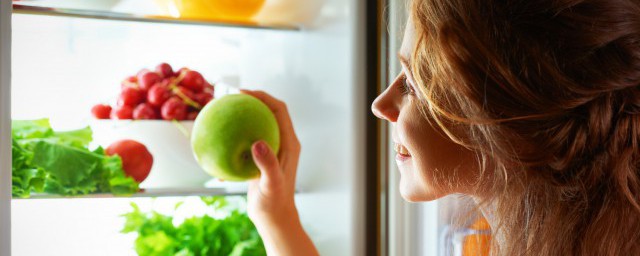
x,y
174,165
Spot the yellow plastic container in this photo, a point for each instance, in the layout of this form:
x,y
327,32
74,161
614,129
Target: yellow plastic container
x,y
239,10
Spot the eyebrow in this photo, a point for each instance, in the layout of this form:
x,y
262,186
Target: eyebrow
x,y
405,61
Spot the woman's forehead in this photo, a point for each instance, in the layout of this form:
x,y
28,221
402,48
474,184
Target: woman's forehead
x,y
408,41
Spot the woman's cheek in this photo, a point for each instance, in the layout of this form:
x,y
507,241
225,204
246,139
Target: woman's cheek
x,y
417,175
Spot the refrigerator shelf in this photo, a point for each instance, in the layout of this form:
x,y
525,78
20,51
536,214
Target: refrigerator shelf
x,y
153,192
118,16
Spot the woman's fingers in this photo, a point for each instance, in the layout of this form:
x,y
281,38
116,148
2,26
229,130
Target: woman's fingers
x,y
265,159
289,144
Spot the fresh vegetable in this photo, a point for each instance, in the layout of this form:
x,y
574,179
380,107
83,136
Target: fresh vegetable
x,y
131,96
60,163
164,70
174,109
192,115
144,111
101,111
25,177
122,112
193,81
207,235
136,159
131,81
154,90
148,79
158,95
203,98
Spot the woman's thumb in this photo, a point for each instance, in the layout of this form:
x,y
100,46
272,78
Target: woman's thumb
x,y
266,161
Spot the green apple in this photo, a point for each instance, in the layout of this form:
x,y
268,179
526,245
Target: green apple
x,y
224,132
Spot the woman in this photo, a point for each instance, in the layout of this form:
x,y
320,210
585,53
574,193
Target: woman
x,y
531,107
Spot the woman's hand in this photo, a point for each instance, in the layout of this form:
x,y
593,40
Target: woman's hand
x,y
271,196
271,204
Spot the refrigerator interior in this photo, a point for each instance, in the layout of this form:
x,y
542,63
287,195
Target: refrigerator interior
x,y
61,67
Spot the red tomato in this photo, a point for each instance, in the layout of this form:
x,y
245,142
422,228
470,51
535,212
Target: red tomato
x,y
136,159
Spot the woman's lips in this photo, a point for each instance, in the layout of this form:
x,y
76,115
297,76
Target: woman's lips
x,y
402,152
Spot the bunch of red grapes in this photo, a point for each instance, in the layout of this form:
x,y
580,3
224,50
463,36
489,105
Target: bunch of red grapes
x,y
160,94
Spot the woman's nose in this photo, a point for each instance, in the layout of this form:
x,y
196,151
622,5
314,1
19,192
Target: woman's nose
x,y
386,106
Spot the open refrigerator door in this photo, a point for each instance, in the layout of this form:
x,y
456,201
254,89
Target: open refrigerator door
x,y
5,125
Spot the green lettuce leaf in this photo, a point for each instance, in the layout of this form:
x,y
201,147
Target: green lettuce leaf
x,y
204,235
157,243
60,163
77,138
25,178
70,167
31,129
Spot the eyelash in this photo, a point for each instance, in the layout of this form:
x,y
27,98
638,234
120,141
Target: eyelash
x,y
405,87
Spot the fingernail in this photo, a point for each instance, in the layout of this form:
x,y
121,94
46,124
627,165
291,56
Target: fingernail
x,y
261,148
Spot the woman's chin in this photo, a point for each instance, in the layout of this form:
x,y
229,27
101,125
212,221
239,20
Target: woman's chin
x,y
413,192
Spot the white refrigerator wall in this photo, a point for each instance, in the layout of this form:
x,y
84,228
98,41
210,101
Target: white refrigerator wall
x,y
62,67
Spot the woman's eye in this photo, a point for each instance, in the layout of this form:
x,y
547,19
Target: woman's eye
x,y
405,86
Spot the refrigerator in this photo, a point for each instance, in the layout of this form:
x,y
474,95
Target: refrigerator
x,y
57,63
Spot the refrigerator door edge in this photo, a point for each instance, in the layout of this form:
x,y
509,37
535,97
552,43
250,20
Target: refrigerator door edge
x,y
5,128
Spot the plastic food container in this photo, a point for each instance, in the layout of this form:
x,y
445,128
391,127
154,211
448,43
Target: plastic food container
x,y
237,10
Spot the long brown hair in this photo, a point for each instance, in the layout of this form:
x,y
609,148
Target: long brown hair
x,y
548,93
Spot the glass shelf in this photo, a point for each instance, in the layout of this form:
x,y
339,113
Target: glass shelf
x,y
108,15
153,192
